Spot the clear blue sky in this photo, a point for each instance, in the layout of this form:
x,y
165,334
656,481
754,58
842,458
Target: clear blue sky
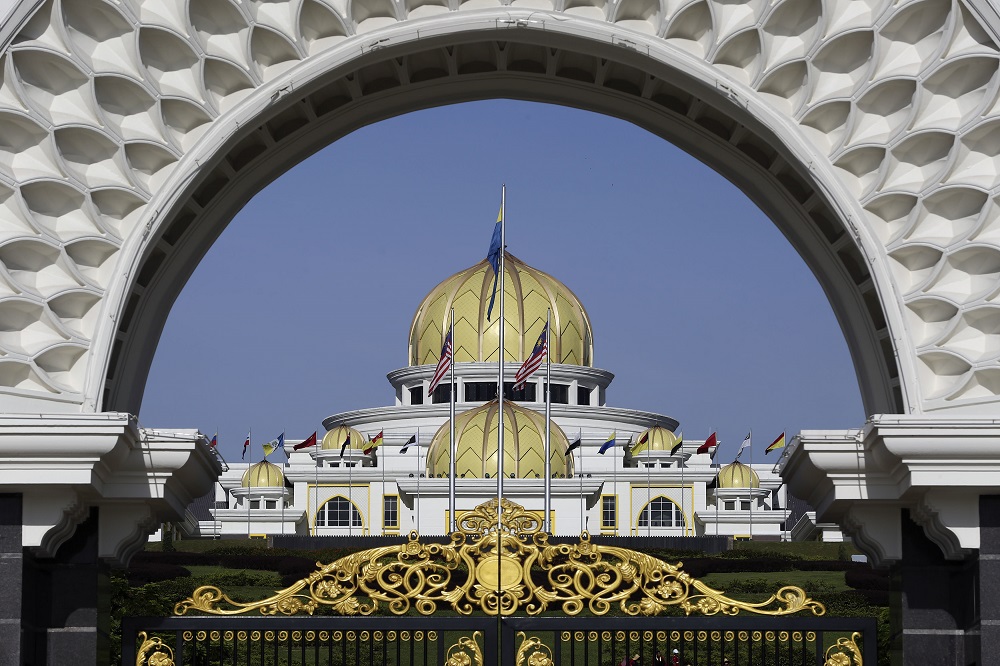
x,y
699,305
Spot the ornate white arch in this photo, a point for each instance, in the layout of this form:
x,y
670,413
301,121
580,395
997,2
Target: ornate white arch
x,y
131,131
868,129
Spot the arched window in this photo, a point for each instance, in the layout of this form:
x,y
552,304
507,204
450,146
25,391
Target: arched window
x,y
338,512
661,512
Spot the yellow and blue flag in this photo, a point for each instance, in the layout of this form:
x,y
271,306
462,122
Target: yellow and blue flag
x,y
493,256
608,444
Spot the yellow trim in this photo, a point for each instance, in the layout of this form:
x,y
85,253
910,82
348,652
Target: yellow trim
x,y
257,536
386,528
606,528
636,527
688,516
742,537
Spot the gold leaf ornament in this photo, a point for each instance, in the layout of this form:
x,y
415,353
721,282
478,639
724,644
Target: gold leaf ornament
x,y
153,652
498,561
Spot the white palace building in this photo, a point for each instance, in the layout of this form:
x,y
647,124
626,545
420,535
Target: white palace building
x,y
328,490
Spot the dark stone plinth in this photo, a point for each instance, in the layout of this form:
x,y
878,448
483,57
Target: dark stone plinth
x,y
11,567
64,603
935,612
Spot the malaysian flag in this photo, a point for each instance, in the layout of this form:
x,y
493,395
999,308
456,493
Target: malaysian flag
x,y
442,369
533,362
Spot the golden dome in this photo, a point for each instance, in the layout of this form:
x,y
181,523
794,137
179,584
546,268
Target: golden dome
x,y
529,293
523,444
336,436
658,438
263,475
738,475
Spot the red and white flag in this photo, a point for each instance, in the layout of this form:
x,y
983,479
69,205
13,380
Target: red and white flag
x,y
442,369
533,362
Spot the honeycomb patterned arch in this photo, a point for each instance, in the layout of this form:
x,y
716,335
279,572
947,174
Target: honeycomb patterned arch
x,y
131,131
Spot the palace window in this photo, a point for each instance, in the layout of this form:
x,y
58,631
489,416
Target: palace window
x,y
609,513
483,391
442,394
390,512
255,504
661,512
338,512
560,394
744,505
417,395
582,395
729,506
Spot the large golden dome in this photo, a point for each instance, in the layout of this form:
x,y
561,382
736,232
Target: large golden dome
x,y
336,436
523,444
738,475
528,294
263,475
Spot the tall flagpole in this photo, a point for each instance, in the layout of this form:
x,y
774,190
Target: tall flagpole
x,y
649,496
547,522
614,481
417,501
451,416
583,508
249,465
684,519
316,489
752,498
350,495
500,286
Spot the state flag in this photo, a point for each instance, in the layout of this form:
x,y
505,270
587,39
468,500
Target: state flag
x,y
306,443
710,443
678,444
576,443
374,443
411,440
610,442
778,443
246,445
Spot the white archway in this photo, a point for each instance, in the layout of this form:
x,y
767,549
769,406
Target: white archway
x,y
864,129
868,130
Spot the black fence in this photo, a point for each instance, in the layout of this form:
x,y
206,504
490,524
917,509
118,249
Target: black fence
x,y
513,641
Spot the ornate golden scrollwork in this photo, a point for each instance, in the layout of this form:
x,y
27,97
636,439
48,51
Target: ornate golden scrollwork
x,y
533,652
465,652
153,652
845,652
499,569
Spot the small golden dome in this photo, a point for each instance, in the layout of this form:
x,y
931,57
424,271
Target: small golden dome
x,y
263,475
335,438
738,475
523,444
658,438
529,293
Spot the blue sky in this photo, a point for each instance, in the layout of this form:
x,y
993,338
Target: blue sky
x,y
699,305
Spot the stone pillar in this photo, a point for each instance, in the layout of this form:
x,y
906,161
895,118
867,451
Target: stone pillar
x,y
989,574
66,612
11,572
934,614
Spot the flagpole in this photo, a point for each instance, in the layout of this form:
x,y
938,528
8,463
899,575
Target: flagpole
x,y
282,498
614,481
750,482
316,488
548,434
350,496
451,416
684,519
500,285
580,472
381,463
417,501
249,465
649,496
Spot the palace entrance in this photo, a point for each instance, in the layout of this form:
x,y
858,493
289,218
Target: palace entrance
x,y
432,604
